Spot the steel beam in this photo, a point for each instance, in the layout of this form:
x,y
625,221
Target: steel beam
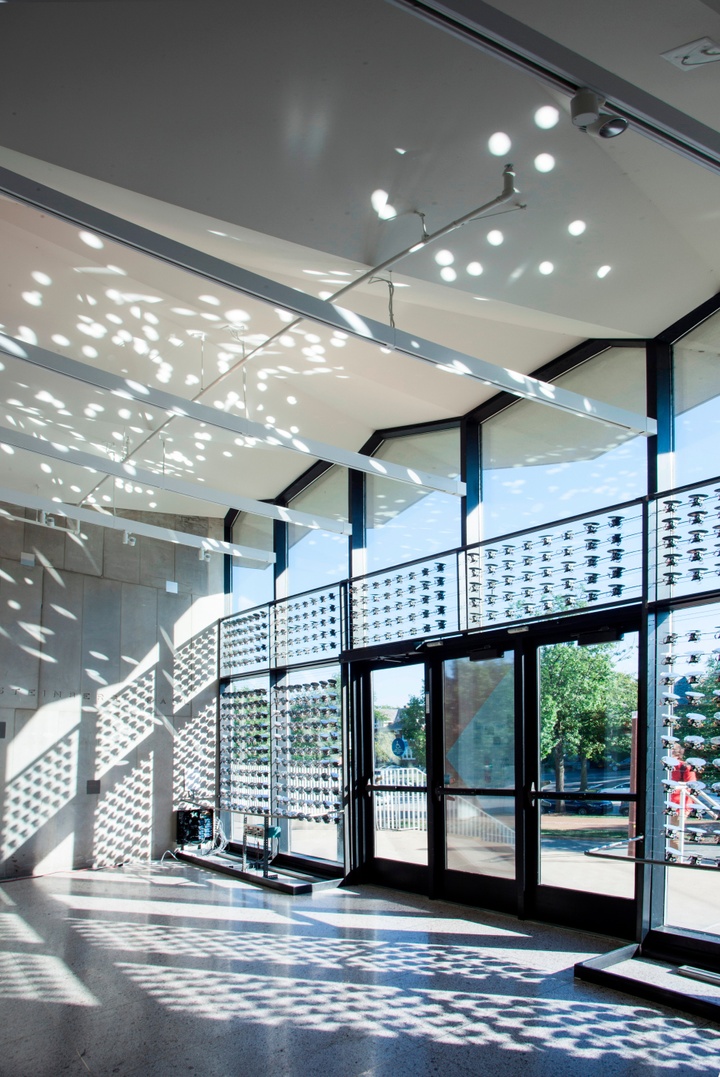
x,y
99,518
127,470
180,407
318,310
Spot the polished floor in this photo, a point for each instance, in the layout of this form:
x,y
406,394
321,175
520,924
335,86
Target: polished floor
x,y
152,971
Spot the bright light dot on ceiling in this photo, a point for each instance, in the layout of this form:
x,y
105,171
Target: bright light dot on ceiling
x,y
474,269
91,353
124,413
387,212
603,271
237,317
33,298
576,228
46,468
448,273
58,338
378,199
28,334
545,268
546,117
444,258
544,162
211,299
92,240
41,278
499,144
495,237
292,400
400,150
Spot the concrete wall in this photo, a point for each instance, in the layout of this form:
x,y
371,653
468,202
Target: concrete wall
x,y
104,676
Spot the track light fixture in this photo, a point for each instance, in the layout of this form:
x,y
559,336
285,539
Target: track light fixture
x,y
129,539
586,112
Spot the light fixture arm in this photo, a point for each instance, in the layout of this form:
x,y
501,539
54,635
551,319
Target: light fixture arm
x,y
509,189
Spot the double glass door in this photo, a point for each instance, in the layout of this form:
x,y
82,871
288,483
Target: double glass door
x,y
494,772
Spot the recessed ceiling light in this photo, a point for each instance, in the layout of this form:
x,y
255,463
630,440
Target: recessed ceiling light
x,y
474,269
499,144
448,273
576,228
544,162
444,258
546,117
603,271
495,238
546,268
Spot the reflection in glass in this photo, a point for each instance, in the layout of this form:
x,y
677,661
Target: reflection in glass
x,y
399,740
689,668
480,835
535,471
317,557
566,834
253,581
404,522
588,740
323,841
588,716
696,402
479,714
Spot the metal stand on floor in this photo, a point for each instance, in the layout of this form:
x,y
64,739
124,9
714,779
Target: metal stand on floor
x,y
262,832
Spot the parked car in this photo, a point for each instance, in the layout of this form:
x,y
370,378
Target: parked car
x,y
580,807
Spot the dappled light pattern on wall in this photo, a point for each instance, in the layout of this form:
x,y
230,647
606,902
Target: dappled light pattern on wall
x,y
35,795
123,823
125,720
195,666
194,758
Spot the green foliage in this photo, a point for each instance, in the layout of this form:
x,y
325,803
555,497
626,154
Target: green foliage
x,y
411,718
586,705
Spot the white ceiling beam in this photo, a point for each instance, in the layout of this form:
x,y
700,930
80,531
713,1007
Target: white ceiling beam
x,y
128,471
318,310
180,407
101,518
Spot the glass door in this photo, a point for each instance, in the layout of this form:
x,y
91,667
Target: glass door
x,y
478,792
584,795
399,788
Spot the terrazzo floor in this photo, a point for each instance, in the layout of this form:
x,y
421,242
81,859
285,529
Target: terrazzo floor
x,y
153,971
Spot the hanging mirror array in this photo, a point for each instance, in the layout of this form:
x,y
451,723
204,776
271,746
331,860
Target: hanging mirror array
x,y
281,747
689,663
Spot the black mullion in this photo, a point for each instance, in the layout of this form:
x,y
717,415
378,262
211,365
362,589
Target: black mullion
x,y
526,774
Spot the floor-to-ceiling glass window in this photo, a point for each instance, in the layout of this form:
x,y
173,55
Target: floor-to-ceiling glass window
x,y
252,581
687,767
406,522
315,556
540,465
697,403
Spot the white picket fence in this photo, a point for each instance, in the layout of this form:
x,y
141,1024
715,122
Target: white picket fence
x,y
399,809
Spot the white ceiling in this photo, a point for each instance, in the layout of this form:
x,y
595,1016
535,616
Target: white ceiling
x,y
259,135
